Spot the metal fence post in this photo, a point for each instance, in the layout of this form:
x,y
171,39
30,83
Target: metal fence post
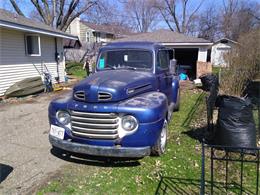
x,y
202,181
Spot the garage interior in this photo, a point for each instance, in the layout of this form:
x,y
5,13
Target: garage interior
x,y
187,61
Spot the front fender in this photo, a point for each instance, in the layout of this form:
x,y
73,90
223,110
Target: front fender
x,y
147,108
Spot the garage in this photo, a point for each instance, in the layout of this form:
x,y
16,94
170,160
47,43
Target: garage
x,y
190,52
187,61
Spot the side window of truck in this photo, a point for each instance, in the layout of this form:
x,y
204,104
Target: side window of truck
x,y
163,59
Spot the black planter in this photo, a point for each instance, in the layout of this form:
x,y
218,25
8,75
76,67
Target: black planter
x,y
235,124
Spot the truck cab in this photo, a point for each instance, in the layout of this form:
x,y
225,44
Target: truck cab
x,y
123,109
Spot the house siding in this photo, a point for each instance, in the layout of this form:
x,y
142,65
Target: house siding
x,y
83,31
15,65
218,52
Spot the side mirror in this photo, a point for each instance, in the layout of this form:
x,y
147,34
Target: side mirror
x,y
173,66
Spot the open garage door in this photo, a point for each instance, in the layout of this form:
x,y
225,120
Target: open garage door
x,y
187,61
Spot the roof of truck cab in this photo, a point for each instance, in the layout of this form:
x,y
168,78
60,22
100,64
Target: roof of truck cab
x,y
133,45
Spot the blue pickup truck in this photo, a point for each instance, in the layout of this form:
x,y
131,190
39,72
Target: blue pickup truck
x,y
123,109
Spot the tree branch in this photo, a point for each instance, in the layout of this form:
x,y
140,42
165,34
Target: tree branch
x,y
165,19
47,10
172,11
60,17
17,9
40,10
72,6
77,14
194,12
184,6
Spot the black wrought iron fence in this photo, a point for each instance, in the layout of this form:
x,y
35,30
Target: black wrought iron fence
x,y
229,170
226,169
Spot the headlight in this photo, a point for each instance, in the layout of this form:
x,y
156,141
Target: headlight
x,y
63,117
129,123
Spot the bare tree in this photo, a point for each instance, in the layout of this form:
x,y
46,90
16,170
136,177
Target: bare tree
x,y
106,12
58,13
178,15
239,17
208,24
142,14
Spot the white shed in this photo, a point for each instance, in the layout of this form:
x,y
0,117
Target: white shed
x,y
219,50
27,48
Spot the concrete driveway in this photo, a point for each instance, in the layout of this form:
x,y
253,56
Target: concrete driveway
x,y
25,158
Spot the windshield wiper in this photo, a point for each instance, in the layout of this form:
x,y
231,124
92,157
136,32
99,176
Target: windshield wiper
x,y
128,67
110,66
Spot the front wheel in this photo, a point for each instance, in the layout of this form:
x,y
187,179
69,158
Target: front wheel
x,y
160,146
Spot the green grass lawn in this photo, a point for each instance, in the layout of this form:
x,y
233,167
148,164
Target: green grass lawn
x,y
179,168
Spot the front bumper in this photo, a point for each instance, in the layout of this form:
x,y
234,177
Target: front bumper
x,y
130,152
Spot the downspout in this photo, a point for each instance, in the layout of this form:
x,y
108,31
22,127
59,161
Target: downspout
x,y
57,58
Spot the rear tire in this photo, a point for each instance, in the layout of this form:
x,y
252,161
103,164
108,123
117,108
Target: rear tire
x,y
160,146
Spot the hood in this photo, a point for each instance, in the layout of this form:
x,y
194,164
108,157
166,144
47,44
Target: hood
x,y
114,85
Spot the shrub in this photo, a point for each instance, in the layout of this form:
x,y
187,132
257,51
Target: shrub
x,y
244,62
72,67
75,69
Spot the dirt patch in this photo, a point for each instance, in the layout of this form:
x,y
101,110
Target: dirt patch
x,y
24,143
50,176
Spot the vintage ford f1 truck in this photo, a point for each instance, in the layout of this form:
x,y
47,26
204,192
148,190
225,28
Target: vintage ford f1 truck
x,y
123,109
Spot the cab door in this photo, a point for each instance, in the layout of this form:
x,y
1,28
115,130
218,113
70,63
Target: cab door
x,y
164,77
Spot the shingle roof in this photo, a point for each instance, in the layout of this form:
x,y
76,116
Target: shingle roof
x,y
10,19
164,36
108,28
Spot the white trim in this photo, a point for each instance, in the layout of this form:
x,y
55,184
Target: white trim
x,y
187,44
39,44
33,30
219,40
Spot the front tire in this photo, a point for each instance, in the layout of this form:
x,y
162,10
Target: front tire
x,y
160,146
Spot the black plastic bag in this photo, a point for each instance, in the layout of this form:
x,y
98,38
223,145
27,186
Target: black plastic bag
x,y
208,81
235,124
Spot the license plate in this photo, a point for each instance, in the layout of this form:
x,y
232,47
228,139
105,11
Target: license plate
x,y
57,131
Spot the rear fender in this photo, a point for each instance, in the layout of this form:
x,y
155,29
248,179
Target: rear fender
x,y
175,90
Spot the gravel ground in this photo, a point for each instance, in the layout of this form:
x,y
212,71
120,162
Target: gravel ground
x,y
25,157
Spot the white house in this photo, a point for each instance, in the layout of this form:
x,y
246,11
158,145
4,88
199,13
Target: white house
x,y
219,50
27,48
97,33
191,52
92,36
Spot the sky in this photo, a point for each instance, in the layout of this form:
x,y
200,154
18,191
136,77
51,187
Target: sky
x,y
27,7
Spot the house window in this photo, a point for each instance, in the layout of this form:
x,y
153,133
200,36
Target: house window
x,y
32,45
87,36
98,37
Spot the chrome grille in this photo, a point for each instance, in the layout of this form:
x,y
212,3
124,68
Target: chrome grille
x,y
79,95
94,125
103,96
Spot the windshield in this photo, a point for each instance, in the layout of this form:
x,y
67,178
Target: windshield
x,y
130,59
